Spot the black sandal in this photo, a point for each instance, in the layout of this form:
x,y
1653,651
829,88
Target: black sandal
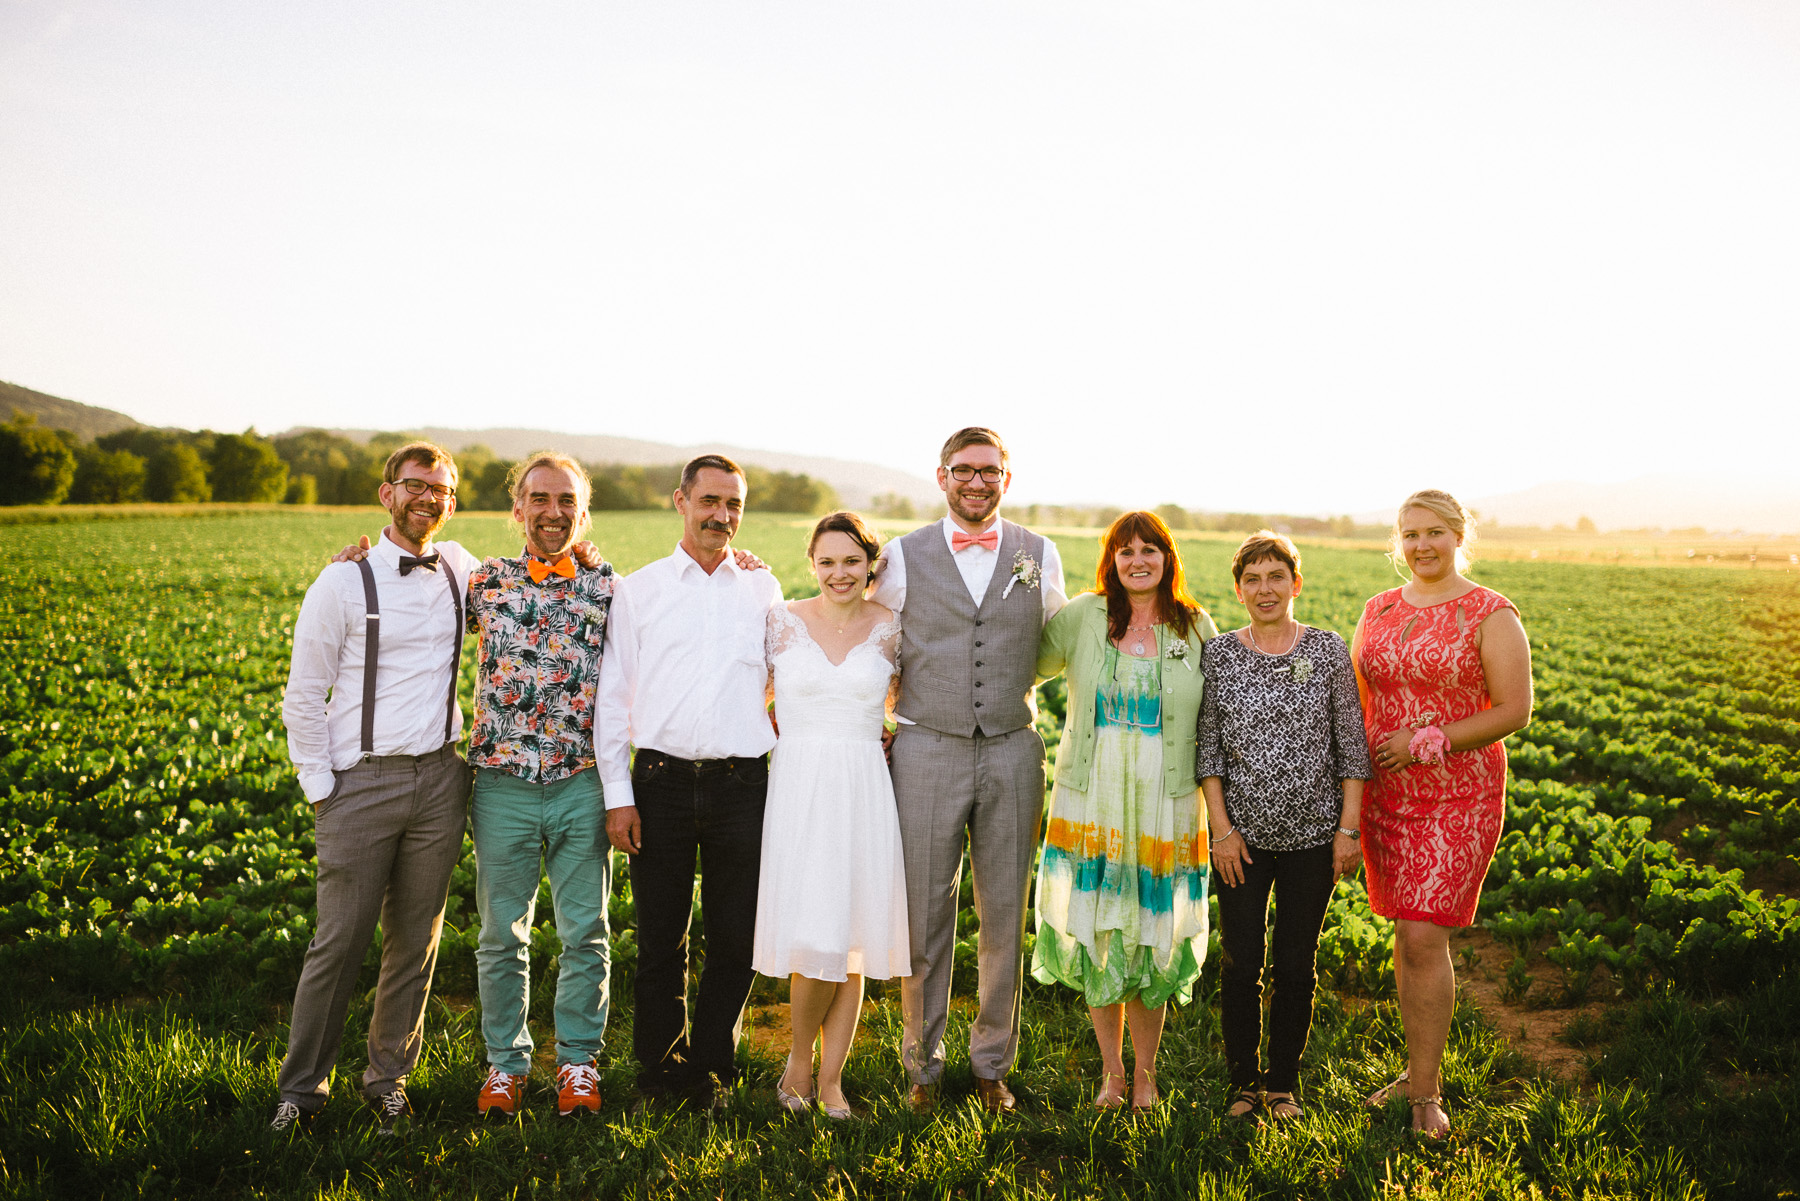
x,y
1273,1107
1248,1097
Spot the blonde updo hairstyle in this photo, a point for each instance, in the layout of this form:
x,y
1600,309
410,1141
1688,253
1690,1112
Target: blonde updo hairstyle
x,y
1447,509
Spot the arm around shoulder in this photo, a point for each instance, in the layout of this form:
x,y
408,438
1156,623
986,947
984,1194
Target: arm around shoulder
x,y
1060,635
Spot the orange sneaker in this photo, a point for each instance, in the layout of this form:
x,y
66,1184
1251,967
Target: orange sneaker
x,y
500,1091
577,1087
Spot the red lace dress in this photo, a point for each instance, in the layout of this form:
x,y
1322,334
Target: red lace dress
x,y
1429,832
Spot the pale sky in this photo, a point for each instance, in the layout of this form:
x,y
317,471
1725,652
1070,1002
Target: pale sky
x,y
1278,257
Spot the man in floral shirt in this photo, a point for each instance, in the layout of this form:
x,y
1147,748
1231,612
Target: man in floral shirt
x,y
541,621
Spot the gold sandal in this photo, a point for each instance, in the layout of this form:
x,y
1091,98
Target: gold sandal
x,y
1380,1096
1435,1135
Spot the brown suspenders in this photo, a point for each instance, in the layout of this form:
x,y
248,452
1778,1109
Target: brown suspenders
x,y
372,651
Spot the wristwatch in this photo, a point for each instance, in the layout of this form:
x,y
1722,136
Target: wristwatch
x,y
1354,835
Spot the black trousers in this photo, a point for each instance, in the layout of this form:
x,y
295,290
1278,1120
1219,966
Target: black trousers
x,y
1302,883
711,810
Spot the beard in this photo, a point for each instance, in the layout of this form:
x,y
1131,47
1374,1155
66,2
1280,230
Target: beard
x,y
973,509
551,546
419,526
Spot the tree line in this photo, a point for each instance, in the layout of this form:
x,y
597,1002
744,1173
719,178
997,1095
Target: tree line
x,y
44,466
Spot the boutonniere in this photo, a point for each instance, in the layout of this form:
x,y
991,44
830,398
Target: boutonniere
x,y
1178,651
1302,669
1025,571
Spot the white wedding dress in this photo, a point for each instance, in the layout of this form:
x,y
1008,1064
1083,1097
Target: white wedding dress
x,y
832,897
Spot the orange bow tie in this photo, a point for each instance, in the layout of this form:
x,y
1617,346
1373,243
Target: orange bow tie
x,y
541,571
987,538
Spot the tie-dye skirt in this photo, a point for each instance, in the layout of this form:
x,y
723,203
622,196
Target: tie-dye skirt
x,y
1121,894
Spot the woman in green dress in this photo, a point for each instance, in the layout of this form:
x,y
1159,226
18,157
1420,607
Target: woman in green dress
x,y
1121,894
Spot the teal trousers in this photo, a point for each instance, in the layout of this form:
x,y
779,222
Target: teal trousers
x,y
522,829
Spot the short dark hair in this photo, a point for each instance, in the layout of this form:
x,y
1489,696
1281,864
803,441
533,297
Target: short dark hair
x,y
425,454
1264,544
851,524
971,435
696,465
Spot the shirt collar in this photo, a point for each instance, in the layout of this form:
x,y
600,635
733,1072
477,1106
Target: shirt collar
x,y
684,562
389,551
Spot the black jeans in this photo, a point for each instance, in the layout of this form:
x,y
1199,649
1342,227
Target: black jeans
x,y
713,809
1302,882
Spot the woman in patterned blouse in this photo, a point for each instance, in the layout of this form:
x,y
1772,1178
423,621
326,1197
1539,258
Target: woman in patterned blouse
x,y
1281,762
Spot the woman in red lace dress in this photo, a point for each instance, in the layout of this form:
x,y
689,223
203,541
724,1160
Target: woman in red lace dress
x,y
1445,672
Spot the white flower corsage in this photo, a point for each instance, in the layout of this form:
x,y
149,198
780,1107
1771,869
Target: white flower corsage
x,y
1178,651
1025,571
1302,669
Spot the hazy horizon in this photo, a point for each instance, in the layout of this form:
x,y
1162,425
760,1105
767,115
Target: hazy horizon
x,y
1287,258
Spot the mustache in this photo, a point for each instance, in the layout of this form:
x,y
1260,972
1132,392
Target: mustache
x,y
717,527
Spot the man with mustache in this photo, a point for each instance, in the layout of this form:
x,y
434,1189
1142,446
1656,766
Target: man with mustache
x,y
389,793
684,681
974,593
540,620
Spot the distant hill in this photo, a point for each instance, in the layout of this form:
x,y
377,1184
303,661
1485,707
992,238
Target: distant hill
x,y
1721,504
59,414
856,483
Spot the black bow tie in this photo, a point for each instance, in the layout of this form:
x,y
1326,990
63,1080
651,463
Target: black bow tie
x,y
428,562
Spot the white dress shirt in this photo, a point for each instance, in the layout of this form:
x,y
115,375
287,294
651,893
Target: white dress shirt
x,y
683,669
412,672
976,565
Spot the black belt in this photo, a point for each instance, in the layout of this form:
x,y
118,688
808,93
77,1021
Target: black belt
x,y
700,767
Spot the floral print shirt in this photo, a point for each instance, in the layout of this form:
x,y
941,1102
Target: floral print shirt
x,y
538,660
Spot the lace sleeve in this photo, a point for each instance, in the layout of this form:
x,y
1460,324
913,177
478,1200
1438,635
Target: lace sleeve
x,y
781,632
886,636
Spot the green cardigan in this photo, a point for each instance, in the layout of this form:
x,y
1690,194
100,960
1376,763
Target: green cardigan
x,y
1075,642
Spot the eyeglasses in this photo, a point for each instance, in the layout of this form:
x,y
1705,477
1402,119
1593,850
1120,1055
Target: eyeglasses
x,y
418,487
989,475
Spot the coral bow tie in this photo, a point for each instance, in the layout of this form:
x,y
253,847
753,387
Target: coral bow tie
x,y
988,538
541,571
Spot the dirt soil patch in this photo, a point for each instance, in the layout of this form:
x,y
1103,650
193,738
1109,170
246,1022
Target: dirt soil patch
x,y
1535,1027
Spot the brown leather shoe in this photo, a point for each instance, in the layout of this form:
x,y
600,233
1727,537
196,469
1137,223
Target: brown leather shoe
x,y
921,1098
994,1095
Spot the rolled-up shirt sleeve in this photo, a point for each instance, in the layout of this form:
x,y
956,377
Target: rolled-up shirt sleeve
x,y
612,702
1349,741
318,650
1209,755
890,582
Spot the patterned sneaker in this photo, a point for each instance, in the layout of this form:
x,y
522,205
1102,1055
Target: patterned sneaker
x,y
577,1087
501,1091
392,1107
289,1116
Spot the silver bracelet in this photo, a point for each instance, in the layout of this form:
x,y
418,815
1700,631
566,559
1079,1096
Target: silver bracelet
x,y
1229,831
1355,834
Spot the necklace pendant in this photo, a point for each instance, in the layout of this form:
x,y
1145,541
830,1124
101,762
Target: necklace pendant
x,y
1137,648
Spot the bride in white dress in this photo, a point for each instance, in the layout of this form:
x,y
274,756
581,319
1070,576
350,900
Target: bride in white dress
x,y
831,908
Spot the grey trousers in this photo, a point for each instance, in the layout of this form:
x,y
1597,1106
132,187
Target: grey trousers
x,y
986,793
388,837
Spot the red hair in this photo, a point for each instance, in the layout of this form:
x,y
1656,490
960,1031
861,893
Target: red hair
x,y
1174,607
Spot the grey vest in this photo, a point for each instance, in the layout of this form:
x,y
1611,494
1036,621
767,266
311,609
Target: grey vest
x,y
968,669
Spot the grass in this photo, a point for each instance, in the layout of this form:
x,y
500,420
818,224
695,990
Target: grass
x,y
166,1092
171,1099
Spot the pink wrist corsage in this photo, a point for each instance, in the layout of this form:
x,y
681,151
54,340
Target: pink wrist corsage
x,y
1428,745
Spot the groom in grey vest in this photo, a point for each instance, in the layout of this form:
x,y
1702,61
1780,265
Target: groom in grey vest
x,y
974,593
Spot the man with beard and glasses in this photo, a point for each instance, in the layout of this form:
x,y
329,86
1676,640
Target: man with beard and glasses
x,y
382,638
684,681
974,593
540,621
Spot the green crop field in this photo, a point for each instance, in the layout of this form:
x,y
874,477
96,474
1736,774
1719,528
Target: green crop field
x,y
156,900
